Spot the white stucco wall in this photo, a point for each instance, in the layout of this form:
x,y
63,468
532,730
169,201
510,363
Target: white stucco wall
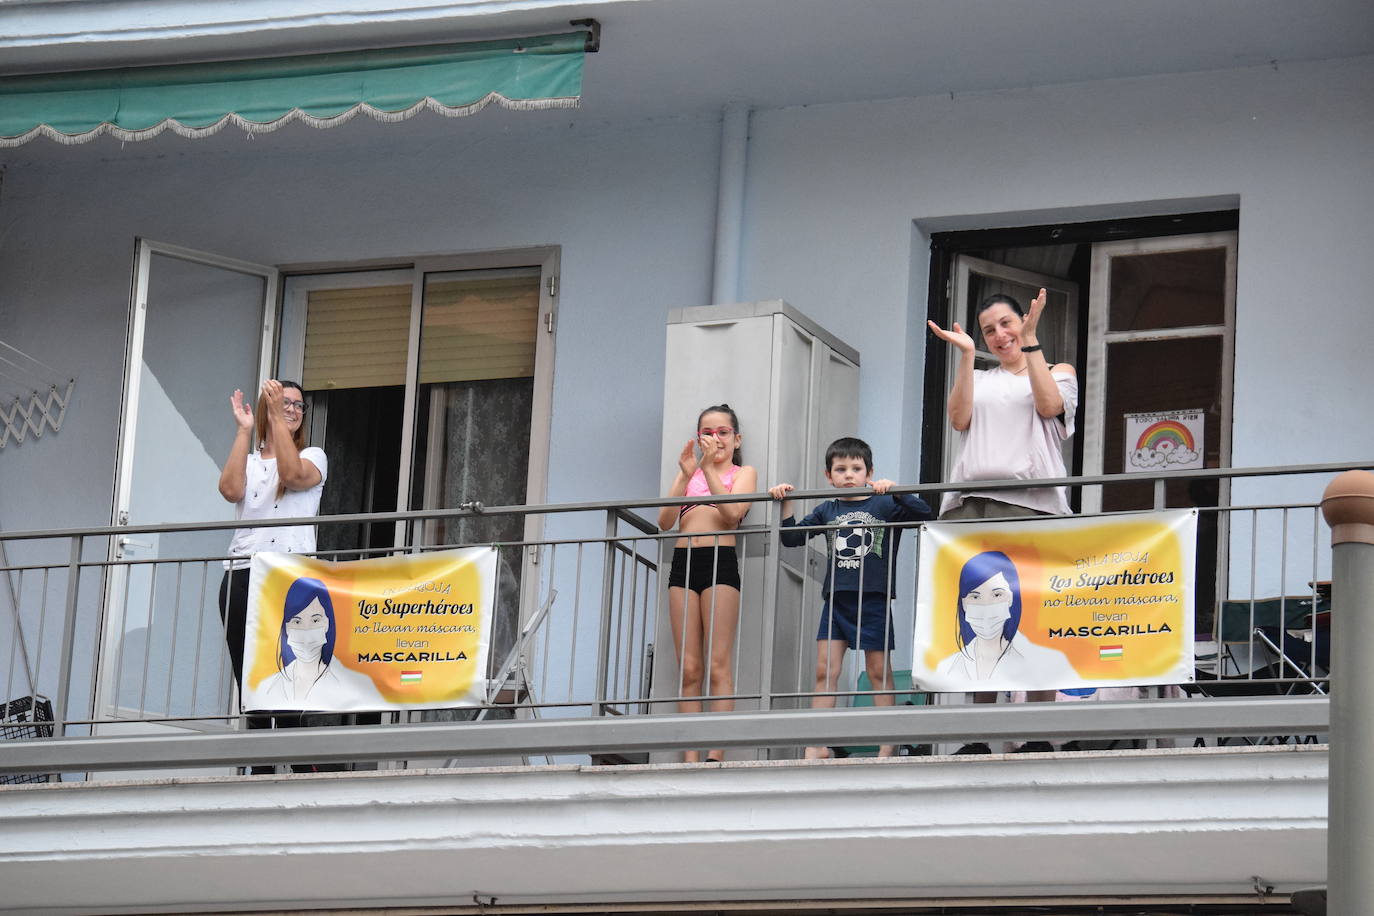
x,y
631,206
834,190
833,193
838,198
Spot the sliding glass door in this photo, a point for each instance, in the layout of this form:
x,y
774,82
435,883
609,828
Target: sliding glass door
x,y
429,388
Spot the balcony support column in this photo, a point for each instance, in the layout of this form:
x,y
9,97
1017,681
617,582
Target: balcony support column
x,y
1348,505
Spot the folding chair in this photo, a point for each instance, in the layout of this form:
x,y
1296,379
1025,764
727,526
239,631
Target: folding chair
x,y
1261,630
1268,625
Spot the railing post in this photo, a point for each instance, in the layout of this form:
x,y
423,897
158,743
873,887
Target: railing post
x,y
64,677
603,641
772,568
1348,505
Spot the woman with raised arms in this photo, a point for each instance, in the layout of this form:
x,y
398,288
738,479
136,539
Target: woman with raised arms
x,y
1012,421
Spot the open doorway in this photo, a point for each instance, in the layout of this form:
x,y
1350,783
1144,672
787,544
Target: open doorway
x,y
1144,310
363,477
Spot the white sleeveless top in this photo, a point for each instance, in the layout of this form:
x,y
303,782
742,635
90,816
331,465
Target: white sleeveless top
x,y
1007,440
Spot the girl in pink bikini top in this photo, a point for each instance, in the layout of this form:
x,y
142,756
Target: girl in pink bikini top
x,y
704,593
697,486
709,464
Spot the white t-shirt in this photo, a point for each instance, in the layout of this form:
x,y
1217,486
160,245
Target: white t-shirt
x,y
1007,440
260,501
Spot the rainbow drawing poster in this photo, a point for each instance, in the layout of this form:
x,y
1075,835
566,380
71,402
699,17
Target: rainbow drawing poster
x,y
1169,440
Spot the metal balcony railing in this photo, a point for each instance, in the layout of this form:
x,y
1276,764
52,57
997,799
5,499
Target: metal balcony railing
x,y
130,654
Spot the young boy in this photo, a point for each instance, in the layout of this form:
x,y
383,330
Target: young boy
x,y
863,554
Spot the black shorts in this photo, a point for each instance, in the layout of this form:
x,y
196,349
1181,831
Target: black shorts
x,y
700,568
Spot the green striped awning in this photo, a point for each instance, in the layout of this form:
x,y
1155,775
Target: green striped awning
x,y
389,84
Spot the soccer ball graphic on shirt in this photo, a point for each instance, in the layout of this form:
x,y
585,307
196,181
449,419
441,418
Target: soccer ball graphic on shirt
x,y
852,543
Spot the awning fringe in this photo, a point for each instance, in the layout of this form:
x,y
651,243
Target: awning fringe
x,y
295,114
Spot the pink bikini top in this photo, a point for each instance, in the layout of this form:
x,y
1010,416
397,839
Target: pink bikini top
x,y
697,486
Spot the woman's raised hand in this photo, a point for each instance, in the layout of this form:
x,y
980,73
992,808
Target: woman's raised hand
x,y
955,335
272,391
1032,319
687,461
243,414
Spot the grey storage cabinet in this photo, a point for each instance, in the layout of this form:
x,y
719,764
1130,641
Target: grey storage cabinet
x,y
795,388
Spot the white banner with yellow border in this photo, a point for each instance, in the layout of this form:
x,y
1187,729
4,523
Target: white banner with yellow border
x,y
404,632
1056,603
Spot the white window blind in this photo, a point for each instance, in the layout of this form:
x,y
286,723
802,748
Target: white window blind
x,y
479,326
475,325
356,338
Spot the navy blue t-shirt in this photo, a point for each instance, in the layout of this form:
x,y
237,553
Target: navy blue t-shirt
x,y
855,548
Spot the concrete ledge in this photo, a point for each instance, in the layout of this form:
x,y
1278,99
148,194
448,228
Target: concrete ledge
x,y
785,728
1166,822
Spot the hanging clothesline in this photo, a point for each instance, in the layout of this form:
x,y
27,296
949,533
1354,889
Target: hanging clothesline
x,y
41,402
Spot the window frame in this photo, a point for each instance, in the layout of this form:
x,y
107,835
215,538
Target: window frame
x,y
1100,337
301,278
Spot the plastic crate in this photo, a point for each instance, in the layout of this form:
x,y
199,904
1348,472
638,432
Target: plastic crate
x,y
23,718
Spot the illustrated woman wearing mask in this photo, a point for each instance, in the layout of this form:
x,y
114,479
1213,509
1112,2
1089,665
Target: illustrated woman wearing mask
x,y
306,677
992,651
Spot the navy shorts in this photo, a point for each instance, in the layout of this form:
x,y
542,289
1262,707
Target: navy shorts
x,y
704,567
841,619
